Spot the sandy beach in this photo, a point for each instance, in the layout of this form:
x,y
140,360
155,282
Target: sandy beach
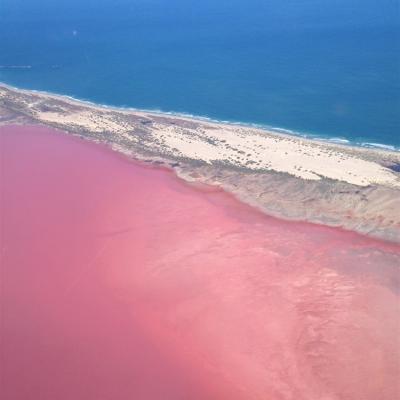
x,y
286,176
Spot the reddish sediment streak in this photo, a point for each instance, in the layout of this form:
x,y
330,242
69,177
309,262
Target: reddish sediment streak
x,y
119,281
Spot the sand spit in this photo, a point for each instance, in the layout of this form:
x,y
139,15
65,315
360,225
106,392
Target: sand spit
x,y
283,175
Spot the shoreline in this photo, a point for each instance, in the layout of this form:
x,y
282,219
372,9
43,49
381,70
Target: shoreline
x,y
274,130
284,176
231,201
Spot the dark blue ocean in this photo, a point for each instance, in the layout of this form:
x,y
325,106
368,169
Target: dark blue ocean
x,y
329,68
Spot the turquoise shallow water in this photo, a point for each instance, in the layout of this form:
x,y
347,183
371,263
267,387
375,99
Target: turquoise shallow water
x,y
324,68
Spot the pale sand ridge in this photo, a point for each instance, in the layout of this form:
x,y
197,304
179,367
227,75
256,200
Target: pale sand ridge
x,y
283,175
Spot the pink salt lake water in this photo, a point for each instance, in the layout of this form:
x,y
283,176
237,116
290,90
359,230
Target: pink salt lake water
x,y
119,281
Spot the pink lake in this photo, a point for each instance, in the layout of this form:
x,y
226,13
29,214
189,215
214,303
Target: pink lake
x,y
119,281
